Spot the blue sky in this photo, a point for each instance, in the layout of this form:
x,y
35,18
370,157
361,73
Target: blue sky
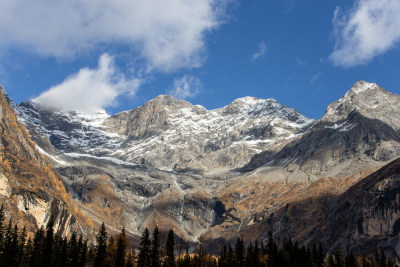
x,y
116,55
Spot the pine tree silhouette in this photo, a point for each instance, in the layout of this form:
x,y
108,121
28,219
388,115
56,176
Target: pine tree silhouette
x,y
144,257
120,253
169,248
155,248
101,246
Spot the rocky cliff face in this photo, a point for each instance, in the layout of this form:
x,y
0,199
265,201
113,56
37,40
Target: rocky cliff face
x,y
29,190
364,124
167,133
243,169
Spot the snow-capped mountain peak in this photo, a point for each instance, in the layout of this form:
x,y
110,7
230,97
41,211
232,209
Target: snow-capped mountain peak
x,y
370,101
167,132
359,87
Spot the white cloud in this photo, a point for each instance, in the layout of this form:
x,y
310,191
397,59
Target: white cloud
x,y
262,48
168,34
89,90
315,78
186,87
369,29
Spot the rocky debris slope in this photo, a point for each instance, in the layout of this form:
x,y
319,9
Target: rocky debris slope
x,y
29,190
137,197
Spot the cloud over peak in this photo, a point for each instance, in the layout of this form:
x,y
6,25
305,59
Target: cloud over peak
x,y
89,90
168,34
369,29
186,87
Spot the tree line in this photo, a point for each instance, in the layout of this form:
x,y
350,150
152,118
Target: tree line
x,y
46,248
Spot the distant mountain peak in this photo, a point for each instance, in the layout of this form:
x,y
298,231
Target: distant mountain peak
x,y
251,100
168,100
369,100
360,87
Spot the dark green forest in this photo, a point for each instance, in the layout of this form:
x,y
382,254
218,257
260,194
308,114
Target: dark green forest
x,y
46,248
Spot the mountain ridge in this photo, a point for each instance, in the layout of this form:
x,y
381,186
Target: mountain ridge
x,y
216,174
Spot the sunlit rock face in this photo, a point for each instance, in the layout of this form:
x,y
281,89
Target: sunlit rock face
x,y
31,193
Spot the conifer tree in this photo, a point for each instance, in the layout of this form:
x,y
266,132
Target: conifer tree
x,y
11,246
47,246
256,255
249,255
7,237
169,248
27,252
320,254
101,246
155,248
35,257
73,251
262,247
239,251
223,257
21,251
61,251
110,252
120,253
83,251
272,251
230,256
144,257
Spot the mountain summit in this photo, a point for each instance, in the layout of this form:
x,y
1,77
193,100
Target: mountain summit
x,y
370,101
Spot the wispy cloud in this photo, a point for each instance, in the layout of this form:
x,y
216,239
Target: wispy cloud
x,y
315,78
186,87
262,49
89,90
168,34
367,30
301,63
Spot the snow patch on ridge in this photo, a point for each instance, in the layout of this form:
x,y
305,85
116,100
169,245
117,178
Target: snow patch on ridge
x,y
342,127
61,162
114,160
359,87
